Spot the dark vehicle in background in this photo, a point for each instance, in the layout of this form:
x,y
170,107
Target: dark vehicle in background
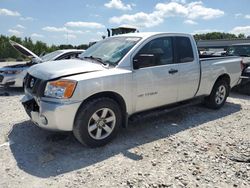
x,y
242,50
123,29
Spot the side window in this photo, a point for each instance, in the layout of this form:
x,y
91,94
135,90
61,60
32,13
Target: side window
x,y
67,56
155,53
77,55
61,57
74,55
184,50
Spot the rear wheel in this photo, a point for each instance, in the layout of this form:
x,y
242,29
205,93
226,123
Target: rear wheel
x,y
97,122
218,96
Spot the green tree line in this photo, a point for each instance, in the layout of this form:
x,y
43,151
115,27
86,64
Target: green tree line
x,y
218,36
38,47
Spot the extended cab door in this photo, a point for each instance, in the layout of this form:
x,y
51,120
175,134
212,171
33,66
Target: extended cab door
x,y
189,67
155,75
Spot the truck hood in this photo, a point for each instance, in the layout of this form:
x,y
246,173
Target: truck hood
x,y
55,69
20,48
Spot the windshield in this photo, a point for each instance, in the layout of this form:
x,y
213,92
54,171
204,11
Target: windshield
x,y
111,50
51,56
243,50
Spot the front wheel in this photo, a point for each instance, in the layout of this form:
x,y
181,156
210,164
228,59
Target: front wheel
x,y
97,122
218,96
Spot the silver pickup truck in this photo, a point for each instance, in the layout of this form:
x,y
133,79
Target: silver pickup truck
x,y
120,76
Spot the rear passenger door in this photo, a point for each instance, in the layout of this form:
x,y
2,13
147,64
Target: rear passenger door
x,y
155,75
189,68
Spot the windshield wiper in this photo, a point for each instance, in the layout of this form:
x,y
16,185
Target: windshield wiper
x,y
98,59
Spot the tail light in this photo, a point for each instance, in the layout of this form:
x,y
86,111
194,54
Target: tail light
x,y
242,65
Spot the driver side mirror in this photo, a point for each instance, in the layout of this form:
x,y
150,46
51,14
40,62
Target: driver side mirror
x,y
143,60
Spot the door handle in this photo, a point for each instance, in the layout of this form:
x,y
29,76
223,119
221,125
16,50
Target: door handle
x,y
172,71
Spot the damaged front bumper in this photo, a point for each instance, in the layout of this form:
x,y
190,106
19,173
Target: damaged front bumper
x,y
51,115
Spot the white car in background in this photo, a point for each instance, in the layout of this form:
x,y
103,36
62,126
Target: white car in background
x,y
13,75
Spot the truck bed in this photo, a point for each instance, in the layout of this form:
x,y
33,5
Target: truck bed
x,y
213,66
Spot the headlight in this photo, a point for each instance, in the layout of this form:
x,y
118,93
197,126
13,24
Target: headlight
x,y
12,71
61,89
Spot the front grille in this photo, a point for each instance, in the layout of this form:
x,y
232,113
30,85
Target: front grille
x,y
34,85
1,78
30,106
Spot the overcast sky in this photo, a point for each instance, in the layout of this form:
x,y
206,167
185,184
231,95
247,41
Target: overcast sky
x,y
81,21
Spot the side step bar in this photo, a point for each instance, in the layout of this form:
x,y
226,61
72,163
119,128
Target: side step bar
x,y
165,109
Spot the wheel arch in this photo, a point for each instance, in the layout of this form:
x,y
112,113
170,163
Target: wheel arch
x,y
224,77
210,101
112,95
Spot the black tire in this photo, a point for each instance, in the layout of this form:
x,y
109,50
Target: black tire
x,y
212,100
86,118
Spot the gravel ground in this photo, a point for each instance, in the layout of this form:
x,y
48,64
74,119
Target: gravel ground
x,y
191,147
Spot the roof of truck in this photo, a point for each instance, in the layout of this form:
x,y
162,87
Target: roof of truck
x,y
149,34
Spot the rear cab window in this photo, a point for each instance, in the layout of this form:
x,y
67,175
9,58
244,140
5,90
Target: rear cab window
x,y
183,50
